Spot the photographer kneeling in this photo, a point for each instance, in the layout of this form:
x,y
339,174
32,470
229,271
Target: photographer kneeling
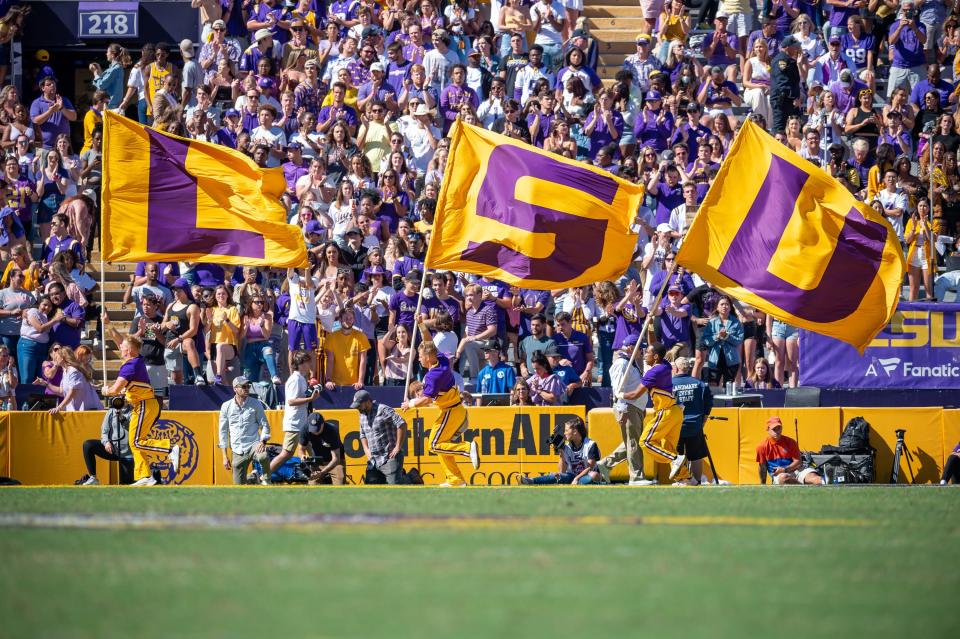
x,y
578,459
324,451
113,445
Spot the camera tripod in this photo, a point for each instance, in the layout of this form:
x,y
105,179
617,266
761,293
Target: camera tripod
x,y
901,449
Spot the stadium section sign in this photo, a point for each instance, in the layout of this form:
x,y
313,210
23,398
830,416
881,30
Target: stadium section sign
x,y
919,348
108,19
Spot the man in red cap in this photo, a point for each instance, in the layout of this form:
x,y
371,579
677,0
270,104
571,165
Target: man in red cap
x,y
779,456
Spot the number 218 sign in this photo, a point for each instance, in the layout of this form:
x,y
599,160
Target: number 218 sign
x,y
108,19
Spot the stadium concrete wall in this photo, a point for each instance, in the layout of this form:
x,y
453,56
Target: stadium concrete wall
x,y
41,449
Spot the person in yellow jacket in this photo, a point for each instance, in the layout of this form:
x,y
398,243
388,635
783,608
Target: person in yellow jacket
x,y
440,389
920,253
662,429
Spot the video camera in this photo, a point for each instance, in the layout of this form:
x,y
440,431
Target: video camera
x,y
556,438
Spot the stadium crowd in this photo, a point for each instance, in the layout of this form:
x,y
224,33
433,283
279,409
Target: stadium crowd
x,y
353,101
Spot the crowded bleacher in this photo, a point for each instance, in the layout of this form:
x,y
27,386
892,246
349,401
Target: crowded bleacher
x,y
353,100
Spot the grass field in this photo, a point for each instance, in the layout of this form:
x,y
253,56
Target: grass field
x,y
481,562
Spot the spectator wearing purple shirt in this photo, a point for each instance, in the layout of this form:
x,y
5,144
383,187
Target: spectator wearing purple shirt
x,y
67,331
718,94
169,273
907,38
604,124
665,186
403,303
769,33
338,110
456,94
574,346
654,124
539,121
377,89
857,45
783,12
841,10
690,131
266,16
398,68
720,48
361,68
675,327
294,168
845,90
60,240
933,82
481,324
262,47
52,112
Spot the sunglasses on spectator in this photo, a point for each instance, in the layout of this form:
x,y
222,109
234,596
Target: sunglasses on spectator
x,y
296,28
376,110
219,29
257,301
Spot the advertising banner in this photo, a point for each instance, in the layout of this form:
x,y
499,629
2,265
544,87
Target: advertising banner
x,y
919,349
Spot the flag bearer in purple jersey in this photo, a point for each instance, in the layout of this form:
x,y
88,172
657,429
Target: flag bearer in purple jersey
x,y
134,382
440,389
662,429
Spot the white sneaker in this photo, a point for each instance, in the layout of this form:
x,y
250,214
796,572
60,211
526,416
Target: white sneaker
x,y
146,481
265,479
91,481
644,482
474,455
174,457
686,482
447,484
276,380
676,465
200,382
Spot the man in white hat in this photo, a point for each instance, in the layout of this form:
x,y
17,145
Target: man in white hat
x,y
244,429
216,46
421,134
192,74
262,47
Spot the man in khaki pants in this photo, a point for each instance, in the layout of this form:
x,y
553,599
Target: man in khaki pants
x,y
629,414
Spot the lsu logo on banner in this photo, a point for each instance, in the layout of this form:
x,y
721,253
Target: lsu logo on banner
x,y
182,436
513,212
920,348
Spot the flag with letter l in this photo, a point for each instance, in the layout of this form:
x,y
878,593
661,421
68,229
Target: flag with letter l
x,y
516,213
778,232
168,198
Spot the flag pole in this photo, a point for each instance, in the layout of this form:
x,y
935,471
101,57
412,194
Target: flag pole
x,y
413,333
643,331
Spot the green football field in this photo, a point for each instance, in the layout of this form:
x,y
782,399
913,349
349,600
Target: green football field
x,y
479,562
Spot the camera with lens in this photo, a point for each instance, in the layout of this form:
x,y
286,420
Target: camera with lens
x,y
909,14
900,432
556,438
117,403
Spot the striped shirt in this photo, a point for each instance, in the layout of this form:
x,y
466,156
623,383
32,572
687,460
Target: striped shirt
x,y
379,428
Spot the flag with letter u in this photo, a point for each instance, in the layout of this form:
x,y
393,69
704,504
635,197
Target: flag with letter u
x,y
516,213
169,198
779,233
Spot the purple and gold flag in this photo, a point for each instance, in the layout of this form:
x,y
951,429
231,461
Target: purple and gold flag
x,y
779,233
530,218
168,198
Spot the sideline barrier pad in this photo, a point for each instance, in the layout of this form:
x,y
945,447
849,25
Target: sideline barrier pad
x,y
951,433
723,439
924,438
4,444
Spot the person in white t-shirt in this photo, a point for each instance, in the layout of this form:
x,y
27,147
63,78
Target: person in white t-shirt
x,y
270,135
302,320
296,408
549,18
894,202
421,136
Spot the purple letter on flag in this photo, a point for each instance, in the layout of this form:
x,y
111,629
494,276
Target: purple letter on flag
x,y
849,274
579,240
172,209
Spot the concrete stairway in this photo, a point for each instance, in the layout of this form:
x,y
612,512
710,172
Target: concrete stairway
x,y
614,24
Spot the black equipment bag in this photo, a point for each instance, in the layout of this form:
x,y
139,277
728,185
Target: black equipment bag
x,y
843,469
855,437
